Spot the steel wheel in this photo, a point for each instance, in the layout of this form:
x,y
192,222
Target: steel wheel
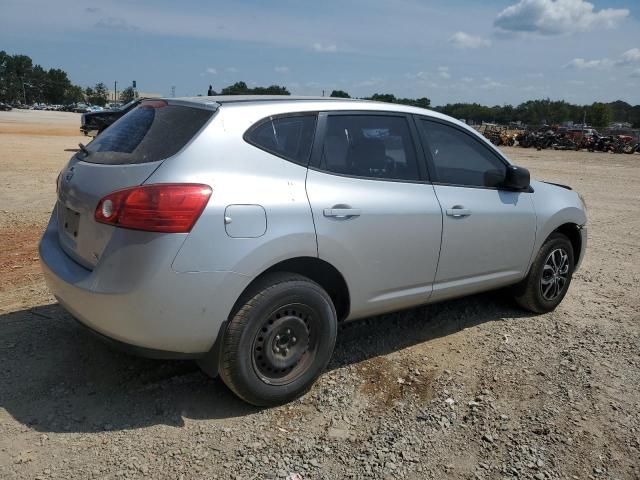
x,y
285,345
555,274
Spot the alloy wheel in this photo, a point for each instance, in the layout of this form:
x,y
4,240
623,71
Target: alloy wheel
x,y
555,274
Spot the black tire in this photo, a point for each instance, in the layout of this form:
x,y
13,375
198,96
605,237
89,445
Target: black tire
x,y
534,295
279,340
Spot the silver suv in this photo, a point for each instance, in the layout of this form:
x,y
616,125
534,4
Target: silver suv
x,y
241,231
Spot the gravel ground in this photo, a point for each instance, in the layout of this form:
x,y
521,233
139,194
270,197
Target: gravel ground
x,y
473,388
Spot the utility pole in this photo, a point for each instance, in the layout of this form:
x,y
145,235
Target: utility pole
x,y
115,91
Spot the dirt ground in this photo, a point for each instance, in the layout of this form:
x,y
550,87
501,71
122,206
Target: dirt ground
x,y
473,388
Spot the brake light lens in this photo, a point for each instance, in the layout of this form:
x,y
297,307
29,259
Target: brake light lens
x,y
153,104
162,207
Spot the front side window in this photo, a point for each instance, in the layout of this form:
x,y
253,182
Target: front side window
x,y
372,146
287,137
459,159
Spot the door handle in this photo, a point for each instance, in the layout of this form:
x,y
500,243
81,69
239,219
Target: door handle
x,y
458,212
341,213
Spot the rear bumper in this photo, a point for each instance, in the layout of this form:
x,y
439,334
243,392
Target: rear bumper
x,y
133,297
139,351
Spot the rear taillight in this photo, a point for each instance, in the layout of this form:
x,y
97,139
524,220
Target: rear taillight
x,y
163,207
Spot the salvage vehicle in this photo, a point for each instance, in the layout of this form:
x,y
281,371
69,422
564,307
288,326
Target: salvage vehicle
x,y
241,231
93,123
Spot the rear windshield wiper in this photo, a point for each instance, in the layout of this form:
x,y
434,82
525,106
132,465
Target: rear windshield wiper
x,y
84,149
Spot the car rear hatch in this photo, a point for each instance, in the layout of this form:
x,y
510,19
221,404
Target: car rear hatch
x,y
123,156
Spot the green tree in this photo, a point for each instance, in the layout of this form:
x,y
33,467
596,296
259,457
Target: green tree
x,y
383,97
238,88
340,94
56,85
97,95
599,115
422,102
73,94
270,90
241,88
127,95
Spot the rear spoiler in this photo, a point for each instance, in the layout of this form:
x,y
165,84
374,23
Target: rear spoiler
x,y
213,106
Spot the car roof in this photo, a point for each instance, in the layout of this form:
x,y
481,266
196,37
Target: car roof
x,y
328,103
259,98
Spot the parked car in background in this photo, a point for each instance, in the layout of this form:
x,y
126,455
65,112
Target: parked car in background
x,y
81,108
241,231
95,122
5,107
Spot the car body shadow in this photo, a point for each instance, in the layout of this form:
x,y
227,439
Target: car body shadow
x,y
57,377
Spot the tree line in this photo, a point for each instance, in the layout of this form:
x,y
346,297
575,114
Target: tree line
x,y
531,112
22,81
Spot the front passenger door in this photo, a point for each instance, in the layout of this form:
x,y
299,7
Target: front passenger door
x,y
487,233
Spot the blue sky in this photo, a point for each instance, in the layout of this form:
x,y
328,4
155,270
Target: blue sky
x,y
492,52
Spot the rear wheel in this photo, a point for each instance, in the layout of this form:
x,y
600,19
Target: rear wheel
x,y
279,341
549,277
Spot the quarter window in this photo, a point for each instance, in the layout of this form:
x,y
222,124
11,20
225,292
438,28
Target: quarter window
x,y
459,159
287,137
372,146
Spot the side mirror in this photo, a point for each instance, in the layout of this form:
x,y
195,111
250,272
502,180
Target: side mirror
x,y
517,178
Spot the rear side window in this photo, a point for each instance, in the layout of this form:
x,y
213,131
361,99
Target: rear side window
x,y
459,159
153,131
288,137
372,146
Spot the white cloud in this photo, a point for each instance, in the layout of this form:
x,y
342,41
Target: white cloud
x,y
491,84
635,73
281,69
556,17
465,40
212,71
371,82
443,72
467,79
231,69
582,64
324,48
629,57
115,24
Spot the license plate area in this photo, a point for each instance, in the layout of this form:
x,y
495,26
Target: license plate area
x,y
71,222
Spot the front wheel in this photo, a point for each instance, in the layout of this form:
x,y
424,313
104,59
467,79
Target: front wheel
x,y
549,277
279,341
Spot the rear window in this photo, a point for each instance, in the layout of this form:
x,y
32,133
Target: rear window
x,y
288,137
151,132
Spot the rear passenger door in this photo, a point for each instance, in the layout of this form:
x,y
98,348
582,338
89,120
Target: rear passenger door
x,y
377,219
488,232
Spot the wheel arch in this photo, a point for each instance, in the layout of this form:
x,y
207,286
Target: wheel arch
x,y
321,272
572,232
